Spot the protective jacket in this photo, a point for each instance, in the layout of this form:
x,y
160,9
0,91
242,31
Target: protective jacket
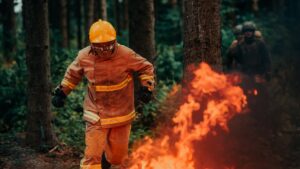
x,y
110,92
253,57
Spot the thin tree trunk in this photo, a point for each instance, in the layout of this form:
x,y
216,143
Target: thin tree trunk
x,y
70,16
117,13
63,24
180,5
103,10
9,31
54,22
141,33
125,15
202,37
141,27
89,18
97,9
173,3
39,130
79,23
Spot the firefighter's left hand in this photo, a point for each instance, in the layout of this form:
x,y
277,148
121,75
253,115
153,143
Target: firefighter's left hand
x,y
146,95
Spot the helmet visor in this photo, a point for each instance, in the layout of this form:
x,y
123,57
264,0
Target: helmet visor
x,y
103,47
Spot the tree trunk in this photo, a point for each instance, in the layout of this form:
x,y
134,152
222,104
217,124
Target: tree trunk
x,y
141,33
79,23
9,31
117,13
53,14
141,27
89,18
180,5
39,130
202,37
103,10
70,26
173,3
100,11
63,23
125,15
97,9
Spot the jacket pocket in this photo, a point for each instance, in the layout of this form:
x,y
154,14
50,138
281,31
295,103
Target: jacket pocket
x,y
90,117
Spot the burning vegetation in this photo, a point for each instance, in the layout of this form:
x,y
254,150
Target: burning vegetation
x,y
211,100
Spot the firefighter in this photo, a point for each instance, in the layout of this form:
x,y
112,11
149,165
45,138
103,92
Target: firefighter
x,y
252,54
230,60
237,31
109,103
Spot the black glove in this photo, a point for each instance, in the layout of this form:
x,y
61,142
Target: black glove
x,y
59,98
146,95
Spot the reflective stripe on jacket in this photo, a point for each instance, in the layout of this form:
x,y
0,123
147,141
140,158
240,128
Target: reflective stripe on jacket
x,y
110,95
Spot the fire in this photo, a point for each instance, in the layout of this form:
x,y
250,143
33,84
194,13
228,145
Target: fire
x,y
255,92
215,99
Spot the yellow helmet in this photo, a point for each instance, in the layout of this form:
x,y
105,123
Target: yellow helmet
x,y
102,31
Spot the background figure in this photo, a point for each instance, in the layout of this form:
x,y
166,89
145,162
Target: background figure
x,y
248,42
228,62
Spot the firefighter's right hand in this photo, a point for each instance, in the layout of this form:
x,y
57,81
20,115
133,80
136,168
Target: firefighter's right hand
x,y
59,98
146,95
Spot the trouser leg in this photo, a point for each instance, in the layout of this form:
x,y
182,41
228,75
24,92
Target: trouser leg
x,y
117,145
95,140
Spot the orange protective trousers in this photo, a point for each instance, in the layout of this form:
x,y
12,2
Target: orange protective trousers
x,y
112,141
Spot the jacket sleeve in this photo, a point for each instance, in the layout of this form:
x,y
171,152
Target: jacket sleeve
x,y
72,76
144,69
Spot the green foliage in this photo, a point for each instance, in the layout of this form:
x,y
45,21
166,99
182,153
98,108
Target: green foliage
x,y
60,59
12,85
168,63
123,37
69,125
168,25
227,38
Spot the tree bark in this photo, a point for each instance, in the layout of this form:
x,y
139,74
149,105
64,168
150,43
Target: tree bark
x,y
125,15
100,11
173,3
63,23
70,26
141,27
53,14
97,9
103,10
79,22
141,33
202,37
9,31
117,13
39,129
89,18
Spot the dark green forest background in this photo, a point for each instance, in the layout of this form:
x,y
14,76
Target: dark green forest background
x,y
278,20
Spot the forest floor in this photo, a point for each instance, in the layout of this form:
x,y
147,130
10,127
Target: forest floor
x,y
14,155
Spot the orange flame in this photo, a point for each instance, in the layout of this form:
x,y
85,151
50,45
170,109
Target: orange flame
x,y
213,96
255,92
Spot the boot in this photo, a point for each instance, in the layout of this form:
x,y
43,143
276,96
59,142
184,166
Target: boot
x,y
105,164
